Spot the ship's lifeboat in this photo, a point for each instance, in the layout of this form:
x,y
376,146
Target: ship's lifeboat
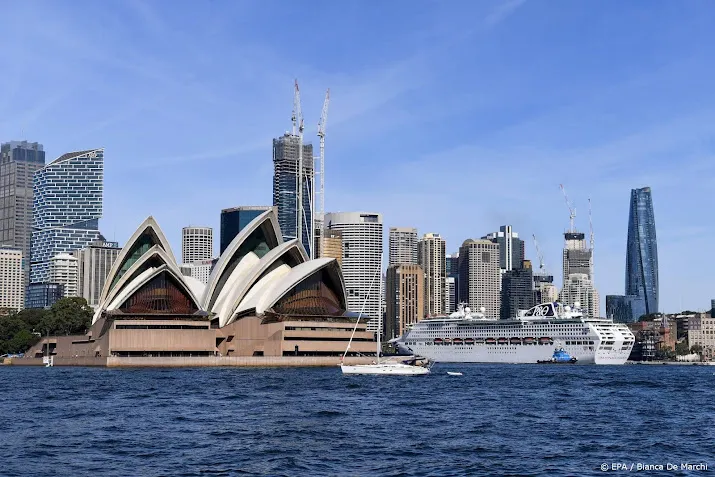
x,y
438,341
515,341
544,340
502,341
457,341
490,341
469,341
529,340
479,341
447,341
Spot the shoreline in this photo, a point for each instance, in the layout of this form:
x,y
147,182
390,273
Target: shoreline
x,y
195,362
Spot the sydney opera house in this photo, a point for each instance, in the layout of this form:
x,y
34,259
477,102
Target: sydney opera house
x,y
264,298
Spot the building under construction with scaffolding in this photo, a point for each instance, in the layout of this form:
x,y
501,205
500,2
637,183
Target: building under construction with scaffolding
x,y
301,208
285,187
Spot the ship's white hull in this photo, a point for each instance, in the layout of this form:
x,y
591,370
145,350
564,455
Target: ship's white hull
x,y
395,369
512,354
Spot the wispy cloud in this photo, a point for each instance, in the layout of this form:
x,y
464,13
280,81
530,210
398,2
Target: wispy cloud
x,y
502,11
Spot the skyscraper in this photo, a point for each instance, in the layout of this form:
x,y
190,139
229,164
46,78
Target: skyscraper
x,y
332,246
403,245
579,288
65,271
452,271
285,186
12,287
576,255
18,162
233,220
67,206
511,247
624,309
517,291
94,262
404,298
362,266
197,244
430,256
642,250
480,276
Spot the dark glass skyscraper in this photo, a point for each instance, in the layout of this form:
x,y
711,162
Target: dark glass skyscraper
x,y
233,220
642,250
285,185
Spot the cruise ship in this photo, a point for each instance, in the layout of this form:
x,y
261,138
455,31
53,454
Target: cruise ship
x,y
470,337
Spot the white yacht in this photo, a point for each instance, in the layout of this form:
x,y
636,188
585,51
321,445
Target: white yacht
x,y
396,365
470,337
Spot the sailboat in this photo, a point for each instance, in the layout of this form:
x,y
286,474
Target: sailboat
x,y
398,365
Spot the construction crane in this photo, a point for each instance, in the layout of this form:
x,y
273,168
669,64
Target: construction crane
x,y
542,266
297,118
321,134
572,210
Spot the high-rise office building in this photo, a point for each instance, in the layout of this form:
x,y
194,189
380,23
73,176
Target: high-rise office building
x,y
642,250
480,276
404,298
67,206
430,256
43,295
285,185
625,309
511,247
452,271
579,288
233,220
200,270
18,162
544,289
517,290
12,285
576,255
402,245
64,269
94,262
332,246
197,244
362,261
450,296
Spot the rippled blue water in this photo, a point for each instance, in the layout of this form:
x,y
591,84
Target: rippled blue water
x,y
493,420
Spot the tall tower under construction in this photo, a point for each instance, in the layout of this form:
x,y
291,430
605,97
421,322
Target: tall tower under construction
x,y
285,187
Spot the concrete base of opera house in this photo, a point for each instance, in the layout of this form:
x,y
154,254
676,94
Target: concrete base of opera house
x,y
196,361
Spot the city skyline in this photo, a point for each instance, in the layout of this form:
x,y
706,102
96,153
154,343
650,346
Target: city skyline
x,y
547,108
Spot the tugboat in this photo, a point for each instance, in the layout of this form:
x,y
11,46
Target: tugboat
x,y
559,357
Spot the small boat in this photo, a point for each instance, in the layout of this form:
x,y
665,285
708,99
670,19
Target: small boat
x,y
559,357
457,341
469,341
490,341
412,366
515,341
502,341
438,341
454,373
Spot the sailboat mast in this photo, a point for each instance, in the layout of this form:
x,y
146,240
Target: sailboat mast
x,y
363,309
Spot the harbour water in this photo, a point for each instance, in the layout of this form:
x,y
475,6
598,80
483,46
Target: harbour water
x,y
492,420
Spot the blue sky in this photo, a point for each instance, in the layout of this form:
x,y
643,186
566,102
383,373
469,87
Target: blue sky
x,y
453,117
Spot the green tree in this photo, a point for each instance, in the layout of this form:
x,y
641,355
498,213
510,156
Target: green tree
x,y
681,348
22,341
67,316
696,348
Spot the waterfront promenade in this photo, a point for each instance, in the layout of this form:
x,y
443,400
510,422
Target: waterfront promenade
x,y
197,361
